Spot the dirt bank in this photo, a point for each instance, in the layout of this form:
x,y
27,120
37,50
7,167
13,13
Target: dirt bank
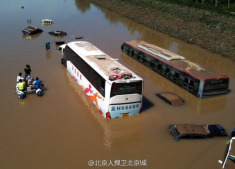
x,y
214,32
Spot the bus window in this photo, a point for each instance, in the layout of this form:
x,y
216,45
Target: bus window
x,y
186,82
167,71
136,56
131,52
155,66
159,67
191,84
196,85
126,88
181,79
216,84
171,73
176,77
102,87
125,49
141,57
148,61
163,70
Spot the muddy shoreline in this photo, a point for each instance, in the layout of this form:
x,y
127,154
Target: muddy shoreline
x,y
211,31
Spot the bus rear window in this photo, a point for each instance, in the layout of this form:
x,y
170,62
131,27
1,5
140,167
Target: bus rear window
x,y
126,88
216,84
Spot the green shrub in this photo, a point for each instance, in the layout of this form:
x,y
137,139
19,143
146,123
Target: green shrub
x,y
222,5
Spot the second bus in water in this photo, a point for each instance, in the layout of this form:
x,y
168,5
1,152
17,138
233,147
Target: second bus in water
x,y
197,80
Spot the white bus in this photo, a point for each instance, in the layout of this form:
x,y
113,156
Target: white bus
x,y
113,89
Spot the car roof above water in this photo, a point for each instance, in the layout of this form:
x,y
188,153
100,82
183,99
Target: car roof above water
x,y
192,129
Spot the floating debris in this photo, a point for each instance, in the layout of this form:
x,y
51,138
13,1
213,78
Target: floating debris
x,y
58,33
79,38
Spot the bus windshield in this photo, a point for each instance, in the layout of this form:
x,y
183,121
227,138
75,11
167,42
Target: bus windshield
x,y
216,84
126,88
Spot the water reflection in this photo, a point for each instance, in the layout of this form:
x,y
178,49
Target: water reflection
x,y
21,102
115,130
147,104
190,52
115,18
48,54
82,5
174,47
30,37
208,105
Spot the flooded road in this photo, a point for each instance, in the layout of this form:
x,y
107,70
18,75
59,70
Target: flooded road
x,y
62,129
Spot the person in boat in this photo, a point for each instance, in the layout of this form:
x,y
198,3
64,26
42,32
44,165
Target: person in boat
x,y
37,83
19,77
27,70
21,85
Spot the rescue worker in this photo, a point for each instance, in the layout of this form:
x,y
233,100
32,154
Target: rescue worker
x,y
21,85
27,71
19,77
37,83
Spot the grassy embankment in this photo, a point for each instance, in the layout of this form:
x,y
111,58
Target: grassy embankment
x,y
208,29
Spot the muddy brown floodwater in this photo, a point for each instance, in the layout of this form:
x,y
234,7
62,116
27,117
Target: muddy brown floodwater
x,y
62,130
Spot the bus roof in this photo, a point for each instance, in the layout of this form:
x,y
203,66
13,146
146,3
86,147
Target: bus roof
x,y
175,60
101,62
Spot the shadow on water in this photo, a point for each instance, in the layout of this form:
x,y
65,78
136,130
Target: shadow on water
x,y
147,104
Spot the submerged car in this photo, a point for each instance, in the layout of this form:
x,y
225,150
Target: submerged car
x,y
47,22
31,30
182,131
171,98
58,33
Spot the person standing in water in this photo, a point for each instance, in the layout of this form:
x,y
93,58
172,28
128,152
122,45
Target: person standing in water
x,y
27,70
21,85
19,77
37,83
